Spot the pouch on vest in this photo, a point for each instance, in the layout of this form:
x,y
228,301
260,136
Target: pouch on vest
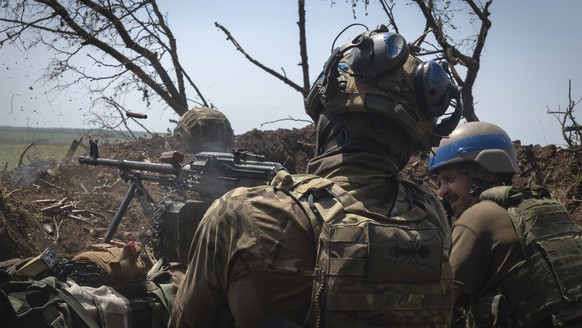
x,y
118,264
373,270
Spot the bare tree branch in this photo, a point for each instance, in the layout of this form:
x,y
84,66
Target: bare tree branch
x,y
258,63
303,49
571,129
129,42
437,19
289,118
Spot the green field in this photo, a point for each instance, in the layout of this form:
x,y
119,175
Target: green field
x,y
47,143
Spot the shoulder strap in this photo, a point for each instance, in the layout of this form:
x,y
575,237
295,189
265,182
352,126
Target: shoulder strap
x,y
501,195
533,214
296,186
51,284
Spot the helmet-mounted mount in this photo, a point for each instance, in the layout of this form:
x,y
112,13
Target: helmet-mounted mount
x,y
375,72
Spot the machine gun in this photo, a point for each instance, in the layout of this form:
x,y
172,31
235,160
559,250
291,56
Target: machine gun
x,y
209,174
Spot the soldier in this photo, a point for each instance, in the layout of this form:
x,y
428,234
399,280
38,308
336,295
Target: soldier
x,y
205,129
259,255
516,254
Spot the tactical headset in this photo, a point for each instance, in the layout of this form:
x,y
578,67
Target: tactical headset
x,y
378,55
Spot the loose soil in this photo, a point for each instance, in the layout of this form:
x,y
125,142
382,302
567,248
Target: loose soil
x,y
69,206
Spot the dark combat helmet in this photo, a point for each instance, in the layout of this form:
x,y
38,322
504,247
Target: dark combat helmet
x,y
205,129
377,73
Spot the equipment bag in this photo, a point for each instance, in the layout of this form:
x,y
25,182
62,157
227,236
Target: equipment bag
x,y
373,270
51,303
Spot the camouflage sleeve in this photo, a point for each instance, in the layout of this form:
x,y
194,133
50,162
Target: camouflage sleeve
x,y
201,297
253,253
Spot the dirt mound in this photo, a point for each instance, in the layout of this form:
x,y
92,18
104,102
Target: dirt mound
x,y
72,205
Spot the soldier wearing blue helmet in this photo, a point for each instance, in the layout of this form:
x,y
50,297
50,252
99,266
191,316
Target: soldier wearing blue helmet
x,y
516,253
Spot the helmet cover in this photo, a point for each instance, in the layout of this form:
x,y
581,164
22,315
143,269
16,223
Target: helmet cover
x,y
205,129
480,142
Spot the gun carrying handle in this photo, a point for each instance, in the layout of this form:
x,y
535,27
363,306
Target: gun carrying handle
x,y
172,157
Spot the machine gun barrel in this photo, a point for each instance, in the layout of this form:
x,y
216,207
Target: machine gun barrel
x,y
209,174
132,165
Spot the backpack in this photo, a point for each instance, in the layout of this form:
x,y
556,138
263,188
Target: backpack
x,y
373,270
552,248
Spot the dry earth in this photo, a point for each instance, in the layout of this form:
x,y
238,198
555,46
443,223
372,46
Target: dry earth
x,y
70,206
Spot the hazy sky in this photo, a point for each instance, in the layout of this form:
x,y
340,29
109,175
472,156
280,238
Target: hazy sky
x,y
532,50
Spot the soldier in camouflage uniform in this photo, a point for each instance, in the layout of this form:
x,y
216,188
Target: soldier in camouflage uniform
x,y
516,254
253,256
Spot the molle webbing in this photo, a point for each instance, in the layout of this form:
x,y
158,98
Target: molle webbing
x,y
387,269
548,283
373,270
540,219
528,292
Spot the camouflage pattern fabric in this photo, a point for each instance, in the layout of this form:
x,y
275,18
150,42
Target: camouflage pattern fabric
x,y
254,254
205,129
363,254
392,96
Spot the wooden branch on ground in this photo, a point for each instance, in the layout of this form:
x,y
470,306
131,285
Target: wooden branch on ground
x,y
52,185
80,219
104,186
44,201
71,152
61,208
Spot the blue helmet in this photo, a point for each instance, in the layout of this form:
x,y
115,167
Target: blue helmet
x,y
483,143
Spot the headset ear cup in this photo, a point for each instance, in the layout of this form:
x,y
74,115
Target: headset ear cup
x,y
432,84
390,53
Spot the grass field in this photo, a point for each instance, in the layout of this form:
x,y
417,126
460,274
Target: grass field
x,y
10,154
47,143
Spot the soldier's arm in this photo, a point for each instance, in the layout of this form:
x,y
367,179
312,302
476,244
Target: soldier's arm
x,y
201,297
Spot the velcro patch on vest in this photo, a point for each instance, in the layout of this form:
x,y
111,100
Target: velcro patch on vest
x,y
403,254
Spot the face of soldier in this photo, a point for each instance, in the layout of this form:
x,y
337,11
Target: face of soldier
x,y
455,188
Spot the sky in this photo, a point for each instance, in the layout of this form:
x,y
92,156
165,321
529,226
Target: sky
x,y
532,50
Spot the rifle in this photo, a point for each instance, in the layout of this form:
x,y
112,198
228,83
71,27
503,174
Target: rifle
x,y
210,174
